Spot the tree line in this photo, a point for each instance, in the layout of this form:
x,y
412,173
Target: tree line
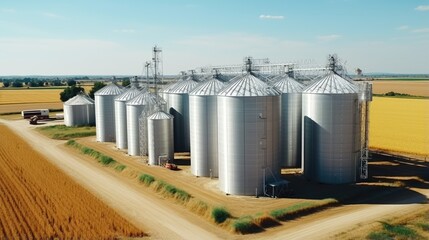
x,y
73,86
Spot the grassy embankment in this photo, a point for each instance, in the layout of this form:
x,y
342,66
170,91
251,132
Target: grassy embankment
x,y
414,227
61,132
217,214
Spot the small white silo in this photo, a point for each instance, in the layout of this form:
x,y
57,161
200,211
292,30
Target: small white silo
x,y
105,112
160,137
79,111
121,116
203,128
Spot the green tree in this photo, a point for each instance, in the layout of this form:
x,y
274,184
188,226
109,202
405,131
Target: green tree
x,y
126,82
6,83
97,86
17,84
70,92
71,82
56,82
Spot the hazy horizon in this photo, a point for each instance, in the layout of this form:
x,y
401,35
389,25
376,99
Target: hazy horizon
x,y
116,37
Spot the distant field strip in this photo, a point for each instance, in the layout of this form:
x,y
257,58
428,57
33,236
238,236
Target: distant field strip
x,y
30,96
400,125
38,201
417,88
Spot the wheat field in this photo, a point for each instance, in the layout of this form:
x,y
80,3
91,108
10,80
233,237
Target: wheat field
x,y
30,96
38,201
400,125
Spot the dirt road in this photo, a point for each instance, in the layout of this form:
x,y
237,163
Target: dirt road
x,y
155,218
162,222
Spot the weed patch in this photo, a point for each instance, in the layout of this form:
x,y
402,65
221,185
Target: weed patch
x,y
146,179
120,167
220,214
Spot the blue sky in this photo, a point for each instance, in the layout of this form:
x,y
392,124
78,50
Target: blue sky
x,y
115,37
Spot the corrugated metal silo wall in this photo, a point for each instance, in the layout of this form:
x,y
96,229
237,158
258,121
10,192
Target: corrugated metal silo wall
x,y
160,139
248,136
329,135
291,130
90,108
68,115
203,132
133,114
105,118
80,115
121,124
179,108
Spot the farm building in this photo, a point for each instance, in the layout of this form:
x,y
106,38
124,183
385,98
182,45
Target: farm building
x,y
79,111
105,112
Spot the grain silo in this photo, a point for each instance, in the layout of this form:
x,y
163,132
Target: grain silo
x,y
79,111
142,103
248,136
160,137
331,127
121,116
203,128
105,112
178,104
290,153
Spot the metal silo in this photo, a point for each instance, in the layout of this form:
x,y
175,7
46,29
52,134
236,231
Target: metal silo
x,y
203,128
178,104
160,137
290,153
79,111
248,136
121,116
142,103
105,112
331,126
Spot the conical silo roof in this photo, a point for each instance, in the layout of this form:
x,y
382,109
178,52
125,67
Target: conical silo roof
x,y
167,87
332,83
248,85
210,87
109,90
144,98
79,99
183,86
286,84
160,115
128,94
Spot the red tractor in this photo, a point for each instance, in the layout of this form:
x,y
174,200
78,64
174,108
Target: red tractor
x,y
170,166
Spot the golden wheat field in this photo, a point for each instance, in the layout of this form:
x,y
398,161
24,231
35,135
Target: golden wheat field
x,y
30,96
400,125
418,88
38,201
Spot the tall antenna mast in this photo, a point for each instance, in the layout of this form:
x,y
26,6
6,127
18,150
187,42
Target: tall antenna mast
x,y
156,60
147,65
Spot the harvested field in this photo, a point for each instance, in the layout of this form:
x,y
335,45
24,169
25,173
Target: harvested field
x,y
417,88
19,96
37,201
400,125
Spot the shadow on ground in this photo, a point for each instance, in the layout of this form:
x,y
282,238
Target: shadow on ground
x,y
390,181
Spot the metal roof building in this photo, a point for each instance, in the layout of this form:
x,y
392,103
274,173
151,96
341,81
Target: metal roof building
x,y
121,116
248,136
203,128
291,109
331,130
140,106
160,137
105,112
178,104
79,111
